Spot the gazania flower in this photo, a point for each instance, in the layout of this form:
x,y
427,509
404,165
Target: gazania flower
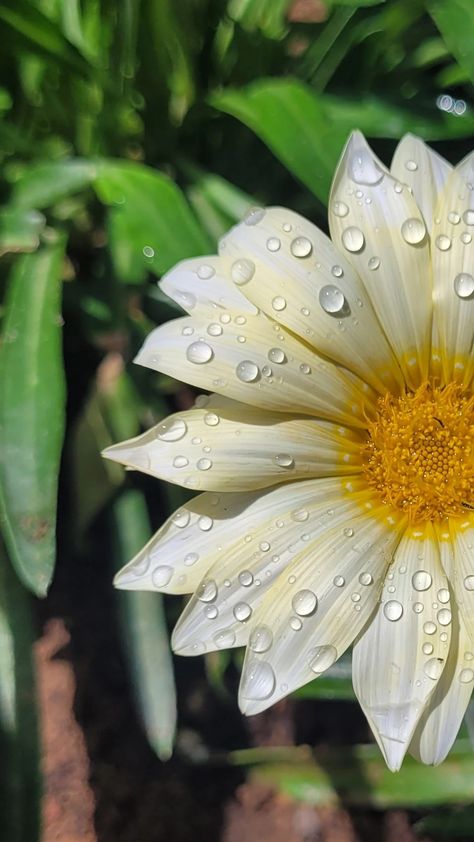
x,y
336,454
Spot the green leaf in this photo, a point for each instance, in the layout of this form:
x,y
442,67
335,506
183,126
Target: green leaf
x,y
268,16
307,132
47,182
144,630
32,397
455,21
218,204
151,226
20,780
20,230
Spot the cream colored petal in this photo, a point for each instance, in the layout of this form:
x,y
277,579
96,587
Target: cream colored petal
x,y
453,273
425,172
292,518
440,723
401,655
317,606
202,288
299,278
456,543
254,360
232,447
376,223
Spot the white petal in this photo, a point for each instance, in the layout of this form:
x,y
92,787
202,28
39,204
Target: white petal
x,y
401,655
456,544
453,273
442,718
201,287
425,172
291,520
384,237
318,605
237,358
299,278
228,446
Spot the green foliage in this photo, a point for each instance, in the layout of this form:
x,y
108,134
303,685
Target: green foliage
x,y
132,135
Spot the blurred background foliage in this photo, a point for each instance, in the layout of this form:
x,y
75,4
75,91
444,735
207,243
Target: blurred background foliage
x,y
132,135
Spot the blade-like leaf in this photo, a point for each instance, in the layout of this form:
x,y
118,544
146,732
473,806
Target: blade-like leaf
x,y
32,398
151,226
20,782
19,229
46,182
455,21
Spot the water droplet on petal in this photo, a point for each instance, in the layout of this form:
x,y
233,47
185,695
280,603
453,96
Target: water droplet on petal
x,y
365,579
190,559
348,531
205,523
393,610
427,648
245,578
180,461
433,668
261,639
411,166
443,242
258,681
161,575
337,271
340,209
214,329
254,216
429,627
207,590
199,352
464,285
443,595
468,217
211,612
276,355
172,429
466,676
296,624
205,272
305,368
224,638
322,658
454,218
203,464
301,247
181,518
273,244
284,460
421,580
413,231
242,612
444,617
469,583
363,169
331,299
247,371
211,419
279,303
466,238
374,263
339,581
300,515
418,607
304,603
242,271
353,239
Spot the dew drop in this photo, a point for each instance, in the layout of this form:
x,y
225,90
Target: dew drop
x,y
205,523
261,639
444,617
411,166
199,352
339,581
242,272
454,218
161,575
203,464
421,580
468,217
276,355
433,668
413,231
301,247
337,271
247,371
466,238
466,676
374,263
254,216
180,518
180,461
214,329
224,638
207,591
322,658
469,583
393,610
464,285
296,624
205,272
300,515
340,209
273,244
279,303
429,627
211,612
348,532
443,595
305,368
190,559
418,607
331,299
365,579
284,460
304,603
245,578
353,239
172,430
258,681
211,419
427,648
242,612
443,242
363,169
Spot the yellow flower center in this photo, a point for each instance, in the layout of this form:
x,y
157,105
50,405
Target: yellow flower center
x,y
419,455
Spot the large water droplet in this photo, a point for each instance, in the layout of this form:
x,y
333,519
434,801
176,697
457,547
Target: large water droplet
x,y
161,575
284,460
454,218
180,518
339,581
331,299
258,681
180,461
429,627
273,244
242,612
464,285
245,578
199,352
254,216
433,668
466,676
365,579
214,329
276,355
421,580
444,617
242,271
207,590
353,239
211,419
205,272
393,610
224,638
427,648
279,303
363,169
301,247
205,523
203,464
413,231
247,371
322,658
186,299
443,242
468,217
261,639
304,603
469,583
443,595
172,429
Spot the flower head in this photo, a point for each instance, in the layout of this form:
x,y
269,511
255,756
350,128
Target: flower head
x,y
336,454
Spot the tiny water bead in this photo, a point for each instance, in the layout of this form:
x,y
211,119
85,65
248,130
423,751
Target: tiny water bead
x,y
411,166
276,355
443,242
273,244
421,580
419,454
279,303
340,209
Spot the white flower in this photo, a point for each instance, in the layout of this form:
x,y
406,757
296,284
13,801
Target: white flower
x,y
336,457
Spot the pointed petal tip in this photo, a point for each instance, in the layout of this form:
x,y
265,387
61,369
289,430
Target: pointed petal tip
x,y
394,752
